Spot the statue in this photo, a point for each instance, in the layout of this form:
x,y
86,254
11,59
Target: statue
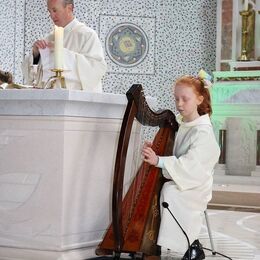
x,y
5,77
6,81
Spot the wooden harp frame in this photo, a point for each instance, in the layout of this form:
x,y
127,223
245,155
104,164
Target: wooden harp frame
x,y
138,108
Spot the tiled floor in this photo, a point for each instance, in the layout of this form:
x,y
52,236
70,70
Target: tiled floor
x,y
235,234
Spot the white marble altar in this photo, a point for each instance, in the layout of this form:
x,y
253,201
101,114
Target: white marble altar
x,y
57,150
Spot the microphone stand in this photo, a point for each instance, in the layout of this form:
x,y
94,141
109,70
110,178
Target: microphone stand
x,y
166,206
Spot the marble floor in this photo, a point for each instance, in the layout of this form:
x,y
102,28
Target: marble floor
x,y
235,224
235,228
235,234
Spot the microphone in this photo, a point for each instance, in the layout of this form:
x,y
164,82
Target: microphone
x,y
166,206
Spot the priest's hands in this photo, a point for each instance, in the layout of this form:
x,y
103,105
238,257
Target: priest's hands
x,y
40,44
149,154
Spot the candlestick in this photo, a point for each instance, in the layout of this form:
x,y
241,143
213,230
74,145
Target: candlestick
x,y
245,5
57,81
244,30
58,48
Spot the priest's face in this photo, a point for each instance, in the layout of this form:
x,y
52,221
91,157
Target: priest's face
x,y
61,13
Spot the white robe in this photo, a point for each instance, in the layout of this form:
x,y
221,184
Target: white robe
x,y
191,172
84,62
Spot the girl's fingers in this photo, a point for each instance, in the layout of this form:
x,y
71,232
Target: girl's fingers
x,y
147,151
148,144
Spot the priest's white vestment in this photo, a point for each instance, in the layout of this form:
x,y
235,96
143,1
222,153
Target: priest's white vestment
x,y
189,190
84,62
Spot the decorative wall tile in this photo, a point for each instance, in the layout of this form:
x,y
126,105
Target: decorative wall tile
x,y
19,39
7,20
37,23
129,43
12,36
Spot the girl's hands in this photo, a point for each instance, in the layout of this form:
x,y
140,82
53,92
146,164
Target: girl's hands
x,y
149,154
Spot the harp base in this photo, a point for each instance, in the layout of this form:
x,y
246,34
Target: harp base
x,y
108,258
119,256
111,257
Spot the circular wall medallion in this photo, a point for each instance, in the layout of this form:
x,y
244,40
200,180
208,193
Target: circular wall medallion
x,y
127,44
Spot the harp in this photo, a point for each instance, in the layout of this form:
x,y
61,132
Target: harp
x,y
136,217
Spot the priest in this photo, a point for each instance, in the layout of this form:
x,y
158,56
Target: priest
x,y
82,54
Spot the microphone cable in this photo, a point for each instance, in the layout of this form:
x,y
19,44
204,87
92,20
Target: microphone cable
x,y
166,206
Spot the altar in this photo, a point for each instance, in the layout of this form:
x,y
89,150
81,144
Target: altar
x,y
57,150
236,121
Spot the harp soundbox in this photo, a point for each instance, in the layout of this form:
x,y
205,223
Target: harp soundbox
x,y
136,217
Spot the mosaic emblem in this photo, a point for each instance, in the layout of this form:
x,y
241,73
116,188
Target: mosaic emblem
x,y
127,45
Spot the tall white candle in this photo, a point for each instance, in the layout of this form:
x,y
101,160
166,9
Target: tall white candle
x,y
58,47
245,5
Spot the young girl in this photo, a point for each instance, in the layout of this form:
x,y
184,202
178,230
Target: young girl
x,y
190,169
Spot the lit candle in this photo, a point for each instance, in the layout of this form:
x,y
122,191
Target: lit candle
x,y
245,5
58,47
